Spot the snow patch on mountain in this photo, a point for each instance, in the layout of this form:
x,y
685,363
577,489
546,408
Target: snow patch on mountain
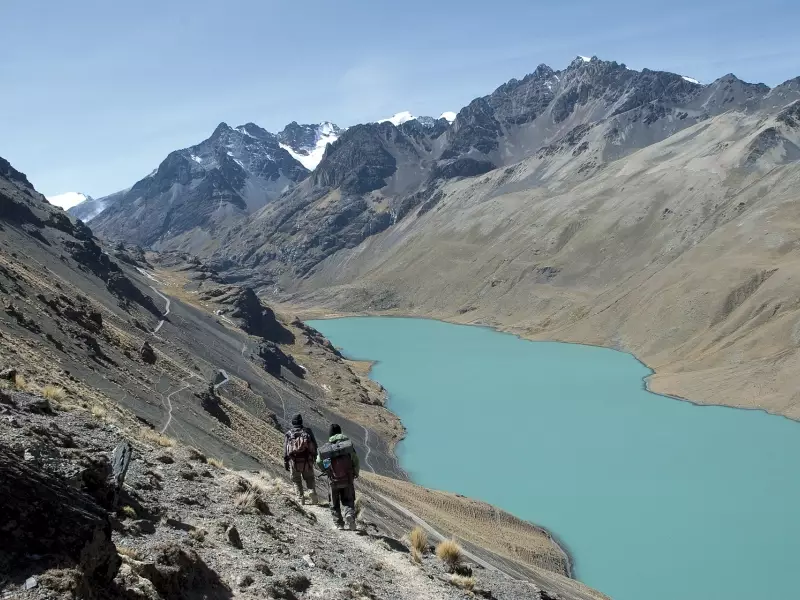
x,y
689,79
68,200
585,58
399,118
448,116
310,155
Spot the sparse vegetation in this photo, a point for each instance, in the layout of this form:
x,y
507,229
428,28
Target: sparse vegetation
x,y
216,462
419,540
20,382
129,552
54,393
415,556
251,500
198,535
449,552
465,583
150,435
99,411
129,512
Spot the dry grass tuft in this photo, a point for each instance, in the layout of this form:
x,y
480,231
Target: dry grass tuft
x,y
152,436
198,535
129,552
359,507
99,411
465,583
449,552
20,382
415,556
216,462
251,500
129,512
53,392
419,539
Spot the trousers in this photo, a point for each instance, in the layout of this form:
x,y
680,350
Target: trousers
x,y
343,499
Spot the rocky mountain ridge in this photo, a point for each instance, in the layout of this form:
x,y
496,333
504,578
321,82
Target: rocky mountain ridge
x,y
374,175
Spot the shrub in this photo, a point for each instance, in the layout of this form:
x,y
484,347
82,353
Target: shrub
x,y
99,411
415,556
449,552
53,392
20,382
251,499
129,552
152,436
129,512
419,539
465,583
198,535
216,462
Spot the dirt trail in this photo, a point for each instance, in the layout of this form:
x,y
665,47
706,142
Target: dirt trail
x,y
169,406
416,583
166,310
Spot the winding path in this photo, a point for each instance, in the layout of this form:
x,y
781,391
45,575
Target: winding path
x,y
224,381
169,407
166,310
369,450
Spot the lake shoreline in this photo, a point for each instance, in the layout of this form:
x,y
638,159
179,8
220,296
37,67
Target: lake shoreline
x,y
569,559
324,315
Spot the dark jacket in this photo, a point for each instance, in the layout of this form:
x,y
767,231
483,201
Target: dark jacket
x,y
286,457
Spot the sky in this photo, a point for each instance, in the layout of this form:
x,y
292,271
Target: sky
x,y
95,94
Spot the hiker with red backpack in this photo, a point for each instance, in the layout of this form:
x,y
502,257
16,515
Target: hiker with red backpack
x,y
300,448
339,461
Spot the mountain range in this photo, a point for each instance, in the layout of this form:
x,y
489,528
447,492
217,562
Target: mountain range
x,y
556,198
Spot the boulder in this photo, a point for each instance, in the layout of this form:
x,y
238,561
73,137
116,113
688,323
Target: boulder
x,y
76,530
259,320
147,353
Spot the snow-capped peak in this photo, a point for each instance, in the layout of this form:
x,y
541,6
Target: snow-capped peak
x,y
399,118
327,128
310,155
690,79
448,115
585,58
68,200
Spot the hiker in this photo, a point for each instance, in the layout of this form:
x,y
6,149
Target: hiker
x,y
339,461
300,447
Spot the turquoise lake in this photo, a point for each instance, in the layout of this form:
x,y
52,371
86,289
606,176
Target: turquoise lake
x,y
654,498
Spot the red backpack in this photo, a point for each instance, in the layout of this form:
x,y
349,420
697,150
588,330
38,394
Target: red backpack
x,y
300,445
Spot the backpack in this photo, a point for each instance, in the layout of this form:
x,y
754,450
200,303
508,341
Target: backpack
x,y
336,456
300,445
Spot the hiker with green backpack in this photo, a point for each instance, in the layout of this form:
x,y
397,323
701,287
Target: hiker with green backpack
x,y
300,448
339,461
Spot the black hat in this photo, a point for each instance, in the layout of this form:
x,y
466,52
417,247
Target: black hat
x,y
335,429
297,420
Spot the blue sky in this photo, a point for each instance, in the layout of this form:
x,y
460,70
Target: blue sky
x,y
95,93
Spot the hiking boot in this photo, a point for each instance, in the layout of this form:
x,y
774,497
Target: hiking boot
x,y
313,498
339,525
351,524
301,500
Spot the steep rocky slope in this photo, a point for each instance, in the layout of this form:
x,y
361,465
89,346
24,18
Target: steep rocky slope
x,y
97,347
147,519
